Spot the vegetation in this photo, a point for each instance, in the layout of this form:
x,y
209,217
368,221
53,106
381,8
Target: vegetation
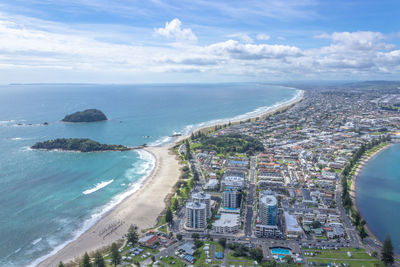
x,y
61,264
222,242
115,255
89,115
168,216
77,144
86,260
98,260
387,251
235,143
132,235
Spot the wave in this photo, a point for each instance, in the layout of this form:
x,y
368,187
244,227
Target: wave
x,y
149,164
188,129
34,242
97,187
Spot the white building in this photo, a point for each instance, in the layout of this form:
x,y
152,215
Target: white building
x,y
202,197
228,223
268,209
231,199
196,216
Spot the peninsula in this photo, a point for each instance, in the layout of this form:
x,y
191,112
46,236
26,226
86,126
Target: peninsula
x,y
77,144
89,115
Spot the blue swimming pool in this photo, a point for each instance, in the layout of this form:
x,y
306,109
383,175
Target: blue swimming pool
x,y
280,251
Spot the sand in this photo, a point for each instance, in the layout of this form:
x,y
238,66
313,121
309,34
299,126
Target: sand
x,y
142,207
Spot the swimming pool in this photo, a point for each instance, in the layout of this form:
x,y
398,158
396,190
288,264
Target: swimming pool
x,y
280,251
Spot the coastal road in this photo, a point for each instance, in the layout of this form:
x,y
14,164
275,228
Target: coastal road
x,y
250,199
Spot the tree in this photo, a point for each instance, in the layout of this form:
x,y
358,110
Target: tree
x,y
387,251
195,236
222,242
98,260
179,237
363,234
115,256
86,260
198,243
153,258
257,254
357,218
61,264
175,204
132,235
168,216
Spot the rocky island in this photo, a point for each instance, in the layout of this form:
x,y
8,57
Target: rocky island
x,y
77,144
89,115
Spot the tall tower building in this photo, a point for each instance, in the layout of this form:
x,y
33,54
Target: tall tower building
x,y
231,199
268,208
202,197
196,215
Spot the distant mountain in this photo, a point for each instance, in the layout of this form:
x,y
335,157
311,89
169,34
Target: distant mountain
x,y
89,115
77,144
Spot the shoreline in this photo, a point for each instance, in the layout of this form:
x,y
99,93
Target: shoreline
x,y
353,187
144,206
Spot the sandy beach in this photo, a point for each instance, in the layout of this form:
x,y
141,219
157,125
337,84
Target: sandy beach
x,y
363,162
144,206
141,208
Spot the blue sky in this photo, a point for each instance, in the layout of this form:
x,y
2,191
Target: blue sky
x,y
128,41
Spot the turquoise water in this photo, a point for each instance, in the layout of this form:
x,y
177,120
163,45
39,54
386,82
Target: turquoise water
x,y
378,194
280,251
48,198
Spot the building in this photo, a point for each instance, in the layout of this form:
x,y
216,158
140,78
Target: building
x,y
231,198
148,241
202,197
196,216
228,223
271,231
293,229
268,209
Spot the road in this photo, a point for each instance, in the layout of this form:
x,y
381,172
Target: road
x,y
250,199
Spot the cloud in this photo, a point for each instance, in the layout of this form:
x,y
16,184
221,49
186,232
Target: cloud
x,y
241,36
236,50
36,46
361,40
263,37
173,30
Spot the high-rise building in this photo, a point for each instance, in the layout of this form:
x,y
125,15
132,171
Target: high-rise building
x,y
268,209
231,198
196,215
202,197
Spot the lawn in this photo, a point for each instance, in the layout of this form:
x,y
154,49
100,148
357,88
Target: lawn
x,y
177,262
351,263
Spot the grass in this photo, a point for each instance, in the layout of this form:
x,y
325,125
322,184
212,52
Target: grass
x,y
169,259
241,263
360,263
343,255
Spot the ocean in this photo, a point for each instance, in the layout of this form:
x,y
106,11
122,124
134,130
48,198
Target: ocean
x,y
378,194
49,198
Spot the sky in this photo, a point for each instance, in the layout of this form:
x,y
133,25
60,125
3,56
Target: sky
x,y
165,41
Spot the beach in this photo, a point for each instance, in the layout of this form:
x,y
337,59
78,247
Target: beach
x,y
363,162
144,206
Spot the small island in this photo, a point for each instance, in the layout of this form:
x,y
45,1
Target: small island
x,y
89,115
77,144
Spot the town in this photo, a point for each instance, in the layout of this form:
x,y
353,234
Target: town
x,y
276,189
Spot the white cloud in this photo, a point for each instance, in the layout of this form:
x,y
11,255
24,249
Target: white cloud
x,y
236,50
241,36
173,30
263,37
32,47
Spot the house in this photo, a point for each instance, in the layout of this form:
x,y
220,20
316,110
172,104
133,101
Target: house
x,y
149,240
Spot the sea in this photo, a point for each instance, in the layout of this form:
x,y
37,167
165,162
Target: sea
x,y
48,199
378,194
